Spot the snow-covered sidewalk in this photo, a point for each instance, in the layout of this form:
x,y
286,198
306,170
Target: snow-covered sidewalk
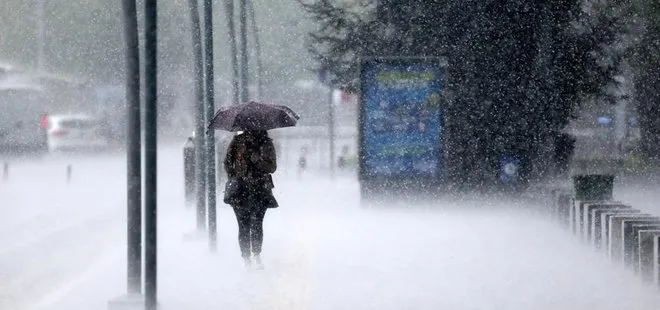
x,y
322,251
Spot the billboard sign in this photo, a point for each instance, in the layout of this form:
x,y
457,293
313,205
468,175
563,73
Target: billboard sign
x,y
401,118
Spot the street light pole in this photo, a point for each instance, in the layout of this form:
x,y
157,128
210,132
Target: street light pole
x,y
41,33
324,77
134,149
198,65
229,13
242,29
150,153
210,111
331,130
257,47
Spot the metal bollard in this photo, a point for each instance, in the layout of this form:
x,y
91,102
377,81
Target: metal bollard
x,y
616,238
605,225
5,171
576,215
597,221
648,262
189,171
571,215
630,239
548,198
587,218
69,172
656,261
564,202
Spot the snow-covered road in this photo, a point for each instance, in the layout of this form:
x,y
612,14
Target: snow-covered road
x,y
50,228
322,251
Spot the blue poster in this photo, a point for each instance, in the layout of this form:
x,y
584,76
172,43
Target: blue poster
x,y
401,119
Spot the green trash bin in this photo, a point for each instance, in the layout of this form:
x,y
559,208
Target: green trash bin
x,y
593,187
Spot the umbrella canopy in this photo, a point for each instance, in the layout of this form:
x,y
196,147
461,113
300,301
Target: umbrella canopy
x,y
254,116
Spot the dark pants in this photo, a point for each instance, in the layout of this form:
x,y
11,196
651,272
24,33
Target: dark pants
x,y
250,228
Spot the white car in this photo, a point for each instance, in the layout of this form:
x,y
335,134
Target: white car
x,y
68,132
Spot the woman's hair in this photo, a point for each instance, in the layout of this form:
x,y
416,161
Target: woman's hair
x,y
257,133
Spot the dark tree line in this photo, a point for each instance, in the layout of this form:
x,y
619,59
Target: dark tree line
x,y
646,61
518,69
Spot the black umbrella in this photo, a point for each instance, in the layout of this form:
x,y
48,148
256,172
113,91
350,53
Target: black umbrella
x,y
254,116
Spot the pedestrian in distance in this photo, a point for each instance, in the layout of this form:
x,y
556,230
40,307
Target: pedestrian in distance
x,y
302,161
249,163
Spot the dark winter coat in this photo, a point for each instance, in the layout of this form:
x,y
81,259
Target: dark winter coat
x,y
250,160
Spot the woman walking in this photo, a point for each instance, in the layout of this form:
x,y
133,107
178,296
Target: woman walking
x,y
249,163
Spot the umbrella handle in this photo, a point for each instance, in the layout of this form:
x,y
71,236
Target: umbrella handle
x,y
208,128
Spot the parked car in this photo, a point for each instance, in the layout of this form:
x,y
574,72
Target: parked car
x,y
69,132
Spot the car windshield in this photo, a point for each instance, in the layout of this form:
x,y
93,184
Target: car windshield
x,y
77,123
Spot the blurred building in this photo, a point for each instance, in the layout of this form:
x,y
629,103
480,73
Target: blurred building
x,y
64,93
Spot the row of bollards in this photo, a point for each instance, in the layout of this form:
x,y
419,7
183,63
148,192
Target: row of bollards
x,y
5,172
626,235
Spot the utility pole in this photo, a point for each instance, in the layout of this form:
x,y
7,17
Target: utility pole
x,y
210,111
134,149
242,29
324,78
150,153
331,130
200,129
229,13
41,34
257,48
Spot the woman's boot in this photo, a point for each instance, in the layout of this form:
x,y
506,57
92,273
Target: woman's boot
x,y
257,261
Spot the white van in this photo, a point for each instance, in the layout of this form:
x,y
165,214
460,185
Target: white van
x,y
23,119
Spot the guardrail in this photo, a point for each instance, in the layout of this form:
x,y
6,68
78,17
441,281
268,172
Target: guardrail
x,y
625,234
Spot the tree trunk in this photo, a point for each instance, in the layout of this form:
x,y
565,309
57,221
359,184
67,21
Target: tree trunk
x,y
649,117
